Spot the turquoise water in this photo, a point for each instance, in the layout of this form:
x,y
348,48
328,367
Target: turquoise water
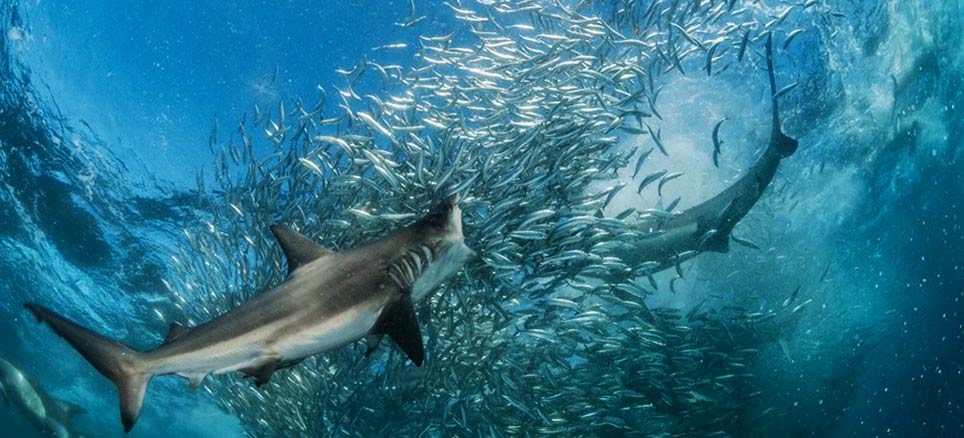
x,y
123,208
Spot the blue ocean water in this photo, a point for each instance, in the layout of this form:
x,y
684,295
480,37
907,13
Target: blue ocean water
x,y
106,113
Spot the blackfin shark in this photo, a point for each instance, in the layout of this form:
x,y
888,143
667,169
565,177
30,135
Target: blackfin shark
x,y
708,226
51,416
327,301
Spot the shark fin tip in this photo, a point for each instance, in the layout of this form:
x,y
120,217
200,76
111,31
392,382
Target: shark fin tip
x,y
298,249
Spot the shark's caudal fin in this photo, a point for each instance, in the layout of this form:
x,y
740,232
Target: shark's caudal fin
x,y
782,143
122,365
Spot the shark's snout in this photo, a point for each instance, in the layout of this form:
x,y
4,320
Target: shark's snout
x,y
447,217
465,254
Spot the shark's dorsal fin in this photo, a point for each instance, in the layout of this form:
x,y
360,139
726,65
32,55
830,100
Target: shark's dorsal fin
x,y
299,250
399,323
174,332
262,371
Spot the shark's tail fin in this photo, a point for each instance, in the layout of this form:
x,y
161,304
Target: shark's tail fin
x,y
122,365
783,143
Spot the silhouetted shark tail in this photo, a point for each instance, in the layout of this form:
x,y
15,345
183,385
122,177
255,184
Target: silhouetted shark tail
x,y
122,365
779,141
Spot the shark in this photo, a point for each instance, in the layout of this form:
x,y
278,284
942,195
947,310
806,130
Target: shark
x,y
328,300
708,226
50,415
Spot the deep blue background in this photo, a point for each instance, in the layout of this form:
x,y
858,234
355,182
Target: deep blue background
x,y
153,77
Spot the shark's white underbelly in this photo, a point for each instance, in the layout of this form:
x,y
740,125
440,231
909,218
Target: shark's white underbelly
x,y
288,339
327,335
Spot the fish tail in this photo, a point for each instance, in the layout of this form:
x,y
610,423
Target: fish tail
x,y
779,141
122,365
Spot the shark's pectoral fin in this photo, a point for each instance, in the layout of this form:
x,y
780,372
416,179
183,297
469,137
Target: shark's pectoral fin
x,y
299,250
715,233
371,343
399,323
288,364
262,371
175,331
715,241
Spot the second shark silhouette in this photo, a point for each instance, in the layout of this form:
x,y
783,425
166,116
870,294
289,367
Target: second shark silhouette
x,y
51,416
708,226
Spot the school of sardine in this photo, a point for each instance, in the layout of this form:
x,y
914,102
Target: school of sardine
x,y
526,110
